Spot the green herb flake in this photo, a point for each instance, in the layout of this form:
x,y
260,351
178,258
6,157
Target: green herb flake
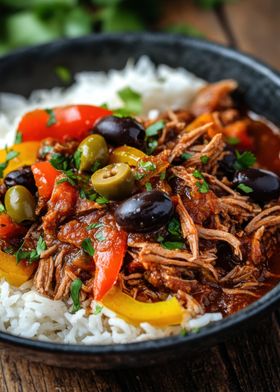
x,y
131,99
148,187
9,156
75,289
52,119
202,186
153,130
64,74
96,225
147,166
77,158
244,160
195,330
186,155
174,228
18,138
233,141
33,255
151,146
160,238
244,188
2,208
162,176
66,179
99,236
183,332
98,309
95,166
87,246
171,245
204,159
59,161
198,174
102,200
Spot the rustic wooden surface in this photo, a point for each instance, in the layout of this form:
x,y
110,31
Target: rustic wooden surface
x,y
249,362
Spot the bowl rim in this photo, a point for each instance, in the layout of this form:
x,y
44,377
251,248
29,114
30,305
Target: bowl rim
x,y
223,326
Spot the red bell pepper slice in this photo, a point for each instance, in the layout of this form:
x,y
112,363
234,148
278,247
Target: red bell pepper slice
x,y
108,257
9,229
73,121
45,176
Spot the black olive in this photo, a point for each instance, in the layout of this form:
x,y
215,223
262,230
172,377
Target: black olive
x,y
22,176
144,212
226,165
265,185
119,131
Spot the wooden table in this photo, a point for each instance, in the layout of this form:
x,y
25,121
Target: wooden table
x,y
250,362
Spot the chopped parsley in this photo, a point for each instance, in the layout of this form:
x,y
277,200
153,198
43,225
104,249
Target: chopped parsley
x,y
96,225
32,255
64,74
204,159
148,187
153,130
97,310
147,166
18,138
183,332
244,160
2,208
99,236
95,166
75,289
87,246
186,155
151,146
174,228
77,159
245,188
66,179
131,99
202,186
162,176
101,200
171,245
9,156
52,119
59,161
233,140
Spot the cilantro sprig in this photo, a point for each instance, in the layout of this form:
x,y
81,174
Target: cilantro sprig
x,y
75,289
244,160
202,185
33,255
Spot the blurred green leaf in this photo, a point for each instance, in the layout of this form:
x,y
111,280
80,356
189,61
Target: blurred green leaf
x,y
115,19
35,3
26,28
208,4
106,3
184,29
63,73
77,22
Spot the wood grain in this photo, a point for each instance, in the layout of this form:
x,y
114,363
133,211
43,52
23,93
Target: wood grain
x,y
249,362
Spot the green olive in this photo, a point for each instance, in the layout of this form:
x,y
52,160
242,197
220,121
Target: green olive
x,y
93,149
20,204
115,182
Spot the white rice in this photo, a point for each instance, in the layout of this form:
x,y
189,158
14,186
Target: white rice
x,y
23,311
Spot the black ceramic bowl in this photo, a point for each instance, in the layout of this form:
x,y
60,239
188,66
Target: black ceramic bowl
x,y
33,68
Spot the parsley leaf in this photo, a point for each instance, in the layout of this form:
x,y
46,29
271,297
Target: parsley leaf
x,y
148,187
154,129
204,159
87,246
174,228
52,119
66,179
131,99
244,188
151,146
101,200
186,155
172,245
64,74
147,166
77,158
244,160
75,289
100,236
232,140
162,176
203,186
94,226
18,138
32,255
197,174
59,161
97,310
9,156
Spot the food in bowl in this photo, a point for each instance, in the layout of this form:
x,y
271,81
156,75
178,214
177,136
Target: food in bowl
x,y
135,205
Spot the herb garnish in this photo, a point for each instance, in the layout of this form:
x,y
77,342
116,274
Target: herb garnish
x,y
75,289
59,161
98,309
233,140
63,73
204,159
33,255
203,186
162,176
151,146
18,138
186,155
245,188
174,228
99,236
2,208
9,156
95,166
52,119
148,187
96,225
172,245
244,160
153,130
77,159
87,246
131,99
102,200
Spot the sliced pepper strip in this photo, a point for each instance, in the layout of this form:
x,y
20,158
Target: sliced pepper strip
x,y
73,121
45,176
27,155
8,228
15,274
158,313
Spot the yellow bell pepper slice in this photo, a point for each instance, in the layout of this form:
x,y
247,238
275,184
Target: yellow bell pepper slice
x,y
127,154
15,274
27,155
159,314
